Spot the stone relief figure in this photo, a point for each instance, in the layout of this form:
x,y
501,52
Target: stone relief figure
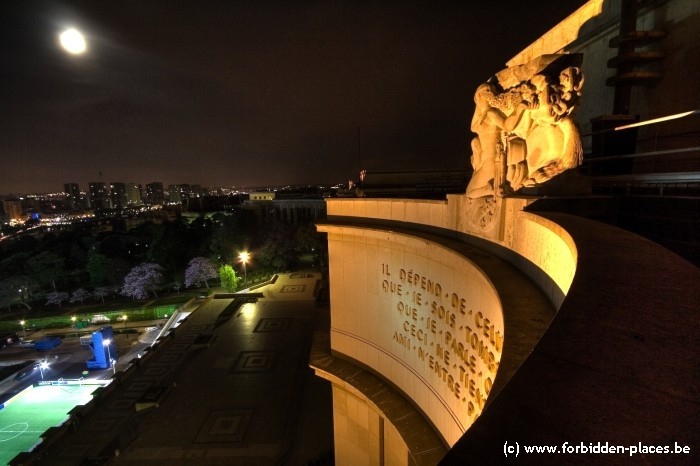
x,y
526,133
486,147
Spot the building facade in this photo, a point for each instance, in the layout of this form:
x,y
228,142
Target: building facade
x,y
154,193
462,326
133,195
290,211
13,209
117,195
72,191
97,195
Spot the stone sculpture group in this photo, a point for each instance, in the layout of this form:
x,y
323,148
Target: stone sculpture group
x,y
526,133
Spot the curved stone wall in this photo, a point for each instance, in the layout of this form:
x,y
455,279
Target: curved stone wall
x,y
543,248
424,317
617,365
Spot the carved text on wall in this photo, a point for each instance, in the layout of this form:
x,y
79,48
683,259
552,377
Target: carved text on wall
x,y
455,346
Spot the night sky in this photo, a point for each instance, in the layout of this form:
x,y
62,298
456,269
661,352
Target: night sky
x,y
247,93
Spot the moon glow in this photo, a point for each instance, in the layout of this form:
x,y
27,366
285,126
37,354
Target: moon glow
x,y
73,41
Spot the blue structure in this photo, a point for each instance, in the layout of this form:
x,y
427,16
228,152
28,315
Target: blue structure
x,y
102,352
47,343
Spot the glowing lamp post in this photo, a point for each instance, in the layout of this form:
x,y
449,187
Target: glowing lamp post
x,y
124,317
244,257
75,326
42,366
24,330
109,354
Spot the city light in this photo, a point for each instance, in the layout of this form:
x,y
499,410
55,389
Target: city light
x,y
43,365
106,343
244,257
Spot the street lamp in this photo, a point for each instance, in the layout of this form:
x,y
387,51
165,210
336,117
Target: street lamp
x,y
42,366
244,257
125,318
109,354
75,325
21,322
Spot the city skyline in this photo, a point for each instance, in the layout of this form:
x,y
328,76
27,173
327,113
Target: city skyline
x,y
231,93
84,188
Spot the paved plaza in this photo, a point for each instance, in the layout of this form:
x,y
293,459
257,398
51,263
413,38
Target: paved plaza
x,y
231,385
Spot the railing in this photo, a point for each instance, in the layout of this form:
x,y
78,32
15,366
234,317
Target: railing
x,y
656,169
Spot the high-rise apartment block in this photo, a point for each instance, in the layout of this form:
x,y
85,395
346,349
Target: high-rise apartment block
x,y
154,193
72,191
97,195
117,195
13,208
133,195
175,194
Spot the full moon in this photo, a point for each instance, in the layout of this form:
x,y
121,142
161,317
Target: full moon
x,y
73,41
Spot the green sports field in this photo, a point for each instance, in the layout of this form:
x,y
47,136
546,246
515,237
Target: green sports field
x,y
33,411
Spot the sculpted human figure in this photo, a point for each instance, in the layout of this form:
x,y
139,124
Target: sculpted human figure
x,y
486,146
525,134
552,139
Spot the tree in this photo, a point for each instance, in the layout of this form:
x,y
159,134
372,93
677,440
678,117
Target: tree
x,y
56,297
170,247
199,270
7,301
9,294
46,267
142,279
98,266
117,271
81,294
228,277
232,231
13,263
310,241
278,252
176,285
102,291
17,290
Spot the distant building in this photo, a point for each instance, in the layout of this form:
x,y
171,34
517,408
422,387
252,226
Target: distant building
x,y
262,196
182,193
154,193
117,195
174,194
72,191
196,190
214,203
13,208
428,184
97,195
290,210
133,195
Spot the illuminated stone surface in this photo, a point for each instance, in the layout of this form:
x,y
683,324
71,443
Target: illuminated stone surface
x,y
425,308
623,338
526,134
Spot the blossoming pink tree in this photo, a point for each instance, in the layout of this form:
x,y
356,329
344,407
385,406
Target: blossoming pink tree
x,y
200,269
141,280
